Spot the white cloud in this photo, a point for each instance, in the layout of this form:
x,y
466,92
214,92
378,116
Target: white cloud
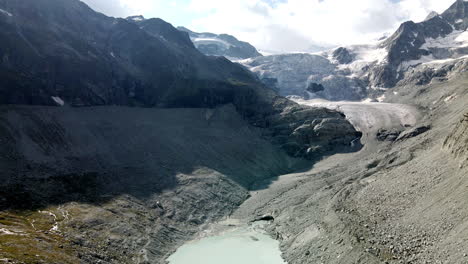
x,y
294,25
283,25
169,10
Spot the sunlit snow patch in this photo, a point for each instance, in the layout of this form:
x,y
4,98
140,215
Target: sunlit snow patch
x,y
212,41
365,55
5,12
381,98
428,60
58,100
456,39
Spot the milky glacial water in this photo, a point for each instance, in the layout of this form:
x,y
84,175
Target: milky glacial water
x,y
243,245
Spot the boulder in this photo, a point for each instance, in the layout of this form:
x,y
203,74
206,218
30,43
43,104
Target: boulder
x,y
388,135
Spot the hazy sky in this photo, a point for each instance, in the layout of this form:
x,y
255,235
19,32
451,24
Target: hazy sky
x,y
282,25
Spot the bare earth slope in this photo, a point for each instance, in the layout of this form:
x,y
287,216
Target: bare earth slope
x,y
399,201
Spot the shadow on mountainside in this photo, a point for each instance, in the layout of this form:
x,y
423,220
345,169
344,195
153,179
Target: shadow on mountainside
x,y
52,155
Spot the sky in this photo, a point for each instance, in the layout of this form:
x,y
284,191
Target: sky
x,y
282,25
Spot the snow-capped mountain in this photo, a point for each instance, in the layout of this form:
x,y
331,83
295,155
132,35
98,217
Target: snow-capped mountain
x,y
208,43
222,45
358,71
294,74
341,72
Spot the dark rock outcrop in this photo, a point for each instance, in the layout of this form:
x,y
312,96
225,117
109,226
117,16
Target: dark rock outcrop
x,y
388,135
457,15
413,132
264,218
315,88
343,56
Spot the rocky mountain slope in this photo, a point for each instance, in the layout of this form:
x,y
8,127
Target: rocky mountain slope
x,y
401,199
361,71
88,59
121,139
222,45
65,50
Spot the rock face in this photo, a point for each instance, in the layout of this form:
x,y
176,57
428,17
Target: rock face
x,y
222,45
434,38
315,88
431,15
361,71
438,37
426,73
388,135
413,132
343,56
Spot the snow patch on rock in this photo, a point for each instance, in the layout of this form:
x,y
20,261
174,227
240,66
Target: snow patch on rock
x,y
5,12
58,100
428,60
455,39
208,41
381,98
365,55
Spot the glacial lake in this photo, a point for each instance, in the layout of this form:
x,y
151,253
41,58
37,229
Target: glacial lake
x,y
243,245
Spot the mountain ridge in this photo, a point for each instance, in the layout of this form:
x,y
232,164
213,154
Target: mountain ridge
x,y
360,72
222,45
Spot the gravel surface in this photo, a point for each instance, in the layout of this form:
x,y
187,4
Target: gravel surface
x,y
394,201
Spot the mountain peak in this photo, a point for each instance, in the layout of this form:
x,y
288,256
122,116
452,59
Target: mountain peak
x,y
431,15
457,14
221,45
184,29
